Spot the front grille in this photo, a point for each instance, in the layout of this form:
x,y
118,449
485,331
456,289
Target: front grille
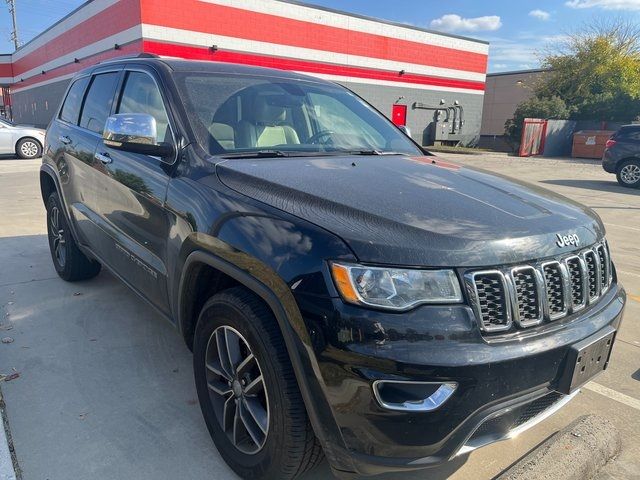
x,y
527,295
491,295
605,266
554,288
593,275
576,277
528,300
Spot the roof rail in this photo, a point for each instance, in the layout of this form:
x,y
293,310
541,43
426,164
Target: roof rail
x,y
135,55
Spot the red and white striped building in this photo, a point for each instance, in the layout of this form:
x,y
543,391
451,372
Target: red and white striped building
x,y
386,63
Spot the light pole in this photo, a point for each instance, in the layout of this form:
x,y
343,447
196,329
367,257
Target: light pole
x,y
14,32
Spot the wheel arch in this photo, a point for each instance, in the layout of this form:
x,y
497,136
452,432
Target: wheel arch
x,y
625,160
229,275
48,184
305,368
27,137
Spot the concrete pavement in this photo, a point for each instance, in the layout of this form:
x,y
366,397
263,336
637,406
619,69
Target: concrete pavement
x,y
106,390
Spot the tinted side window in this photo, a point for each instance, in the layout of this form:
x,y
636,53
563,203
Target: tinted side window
x,y
71,107
141,95
632,134
97,104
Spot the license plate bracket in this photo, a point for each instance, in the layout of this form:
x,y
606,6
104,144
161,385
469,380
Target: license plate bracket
x,y
585,360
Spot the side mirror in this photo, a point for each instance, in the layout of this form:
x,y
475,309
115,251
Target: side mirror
x,y
136,133
404,129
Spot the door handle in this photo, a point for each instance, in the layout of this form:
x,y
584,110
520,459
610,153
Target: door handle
x,y
103,157
64,139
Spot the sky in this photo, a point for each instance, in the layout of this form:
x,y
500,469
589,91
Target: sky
x,y
519,31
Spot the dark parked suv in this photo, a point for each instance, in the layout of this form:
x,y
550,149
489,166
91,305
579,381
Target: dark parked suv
x,y
343,293
622,156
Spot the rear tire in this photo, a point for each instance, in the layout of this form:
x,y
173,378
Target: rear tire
x,y
28,148
628,174
289,447
70,263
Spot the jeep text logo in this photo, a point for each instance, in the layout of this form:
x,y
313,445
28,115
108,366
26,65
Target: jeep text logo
x,y
566,240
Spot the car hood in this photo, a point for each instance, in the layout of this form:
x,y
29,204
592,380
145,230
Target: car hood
x,y
416,210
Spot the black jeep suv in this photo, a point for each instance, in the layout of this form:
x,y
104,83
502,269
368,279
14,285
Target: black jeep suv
x,y
343,293
622,156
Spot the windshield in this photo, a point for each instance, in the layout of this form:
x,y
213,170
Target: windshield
x,y
6,122
236,114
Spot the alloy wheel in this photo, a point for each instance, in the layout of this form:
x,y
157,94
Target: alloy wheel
x,y
630,174
237,390
56,232
29,148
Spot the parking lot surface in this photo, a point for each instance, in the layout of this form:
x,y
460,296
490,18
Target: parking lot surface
x,y
106,391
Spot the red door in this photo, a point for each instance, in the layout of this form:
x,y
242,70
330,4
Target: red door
x,y
534,131
399,114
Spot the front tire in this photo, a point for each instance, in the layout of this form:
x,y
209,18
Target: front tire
x,y
28,148
628,174
70,263
248,392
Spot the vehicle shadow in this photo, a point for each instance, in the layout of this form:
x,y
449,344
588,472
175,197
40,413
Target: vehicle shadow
x,y
600,185
323,472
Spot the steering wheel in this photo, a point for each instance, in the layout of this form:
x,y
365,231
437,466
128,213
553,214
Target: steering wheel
x,y
314,139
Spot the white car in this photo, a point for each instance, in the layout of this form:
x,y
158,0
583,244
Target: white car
x,y
24,141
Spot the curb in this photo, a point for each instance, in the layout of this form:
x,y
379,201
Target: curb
x,y
576,452
6,462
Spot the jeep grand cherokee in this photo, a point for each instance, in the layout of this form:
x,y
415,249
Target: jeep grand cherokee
x,y
343,292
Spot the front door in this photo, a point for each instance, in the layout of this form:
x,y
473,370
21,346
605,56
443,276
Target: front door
x,y
6,139
132,196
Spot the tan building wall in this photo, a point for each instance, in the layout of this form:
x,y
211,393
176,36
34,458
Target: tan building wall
x,y
503,93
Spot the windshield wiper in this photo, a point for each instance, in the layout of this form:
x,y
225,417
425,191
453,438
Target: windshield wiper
x,y
256,154
371,152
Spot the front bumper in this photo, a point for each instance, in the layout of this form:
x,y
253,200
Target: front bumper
x,y
501,379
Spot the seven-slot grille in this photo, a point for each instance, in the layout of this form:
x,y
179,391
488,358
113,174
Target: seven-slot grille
x,y
527,295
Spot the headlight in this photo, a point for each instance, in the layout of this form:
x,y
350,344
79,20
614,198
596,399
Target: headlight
x,y
395,288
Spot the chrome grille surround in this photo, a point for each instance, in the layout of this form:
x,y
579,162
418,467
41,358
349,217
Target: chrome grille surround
x,y
527,296
539,292
606,272
578,280
592,262
556,287
485,306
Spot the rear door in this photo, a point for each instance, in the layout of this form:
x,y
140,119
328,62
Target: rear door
x,y
131,200
71,147
79,135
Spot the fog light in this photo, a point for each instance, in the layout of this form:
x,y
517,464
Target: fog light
x,y
412,396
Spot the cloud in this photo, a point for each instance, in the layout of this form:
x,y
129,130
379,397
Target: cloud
x,y
512,52
540,14
605,4
500,65
455,23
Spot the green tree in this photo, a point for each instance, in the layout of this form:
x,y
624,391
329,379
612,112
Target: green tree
x,y
551,107
596,71
594,74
